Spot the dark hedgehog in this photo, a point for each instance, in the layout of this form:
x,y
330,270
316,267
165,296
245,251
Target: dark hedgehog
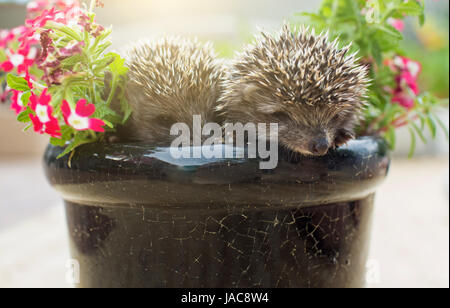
x,y
310,87
169,81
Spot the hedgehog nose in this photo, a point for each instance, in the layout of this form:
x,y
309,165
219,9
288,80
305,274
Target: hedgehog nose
x,y
320,146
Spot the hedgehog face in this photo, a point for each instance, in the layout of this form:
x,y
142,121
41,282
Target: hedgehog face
x,y
302,128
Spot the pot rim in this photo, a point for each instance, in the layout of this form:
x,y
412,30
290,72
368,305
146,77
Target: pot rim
x,y
141,175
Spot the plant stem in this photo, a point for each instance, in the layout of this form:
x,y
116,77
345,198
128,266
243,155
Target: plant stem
x,y
399,122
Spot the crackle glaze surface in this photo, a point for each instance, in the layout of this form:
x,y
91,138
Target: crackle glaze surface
x,y
139,219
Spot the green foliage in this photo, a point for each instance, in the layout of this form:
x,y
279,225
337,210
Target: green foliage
x,y
366,24
17,83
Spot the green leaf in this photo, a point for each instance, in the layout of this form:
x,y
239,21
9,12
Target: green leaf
x,y
57,142
25,98
126,109
386,36
24,116
377,54
61,30
117,67
109,124
102,111
419,132
17,83
389,30
27,127
101,64
79,139
101,48
432,126
410,8
390,137
422,19
412,147
72,61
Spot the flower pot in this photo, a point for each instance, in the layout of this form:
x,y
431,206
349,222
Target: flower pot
x,y
139,218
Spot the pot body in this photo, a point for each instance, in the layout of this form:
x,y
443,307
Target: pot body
x,y
138,218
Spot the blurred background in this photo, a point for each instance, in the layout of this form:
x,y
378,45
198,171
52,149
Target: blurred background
x,y
411,226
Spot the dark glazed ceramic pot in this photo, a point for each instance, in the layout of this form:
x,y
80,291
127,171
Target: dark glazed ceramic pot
x,y
138,218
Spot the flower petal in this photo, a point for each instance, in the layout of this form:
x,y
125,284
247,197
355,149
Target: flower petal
x,y
33,101
37,124
84,109
45,98
96,125
53,129
7,66
66,111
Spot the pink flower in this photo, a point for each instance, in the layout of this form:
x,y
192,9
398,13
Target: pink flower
x,y
16,102
20,60
43,119
79,118
397,24
406,81
5,37
407,72
408,65
41,20
403,99
32,25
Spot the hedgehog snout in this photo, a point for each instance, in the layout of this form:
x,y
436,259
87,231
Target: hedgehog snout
x,y
319,146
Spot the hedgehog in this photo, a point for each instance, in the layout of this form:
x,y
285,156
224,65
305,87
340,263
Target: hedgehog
x,y
310,87
169,81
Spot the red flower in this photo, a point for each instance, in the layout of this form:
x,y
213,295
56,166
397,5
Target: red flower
x,y
20,60
41,20
79,118
405,80
6,37
32,25
43,119
407,72
16,102
404,64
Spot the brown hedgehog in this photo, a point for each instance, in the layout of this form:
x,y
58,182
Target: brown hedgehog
x,y
169,81
310,87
